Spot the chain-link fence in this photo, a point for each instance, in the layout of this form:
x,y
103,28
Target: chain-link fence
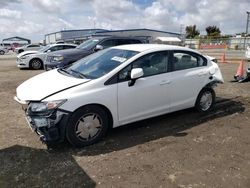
x,y
236,43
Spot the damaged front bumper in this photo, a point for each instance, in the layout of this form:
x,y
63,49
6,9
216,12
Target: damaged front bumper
x,y
49,127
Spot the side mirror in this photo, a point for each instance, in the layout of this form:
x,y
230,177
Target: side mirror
x,y
135,74
98,47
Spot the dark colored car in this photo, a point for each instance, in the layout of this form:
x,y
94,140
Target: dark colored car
x,y
66,57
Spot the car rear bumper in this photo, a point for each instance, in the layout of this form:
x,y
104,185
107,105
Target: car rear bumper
x,y
248,72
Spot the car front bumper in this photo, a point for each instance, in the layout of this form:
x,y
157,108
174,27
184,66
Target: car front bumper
x,y
50,66
50,128
22,63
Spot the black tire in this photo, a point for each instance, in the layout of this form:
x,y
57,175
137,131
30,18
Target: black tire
x,y
202,106
1,52
20,51
81,119
36,64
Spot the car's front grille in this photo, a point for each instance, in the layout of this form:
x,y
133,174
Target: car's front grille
x,y
49,58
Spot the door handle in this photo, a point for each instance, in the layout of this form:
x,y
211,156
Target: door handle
x,y
165,82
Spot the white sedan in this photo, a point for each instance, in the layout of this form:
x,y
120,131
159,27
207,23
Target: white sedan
x,y
27,47
114,87
35,59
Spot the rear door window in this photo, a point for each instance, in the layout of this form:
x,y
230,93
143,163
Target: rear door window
x,y
182,60
56,48
108,43
127,41
68,47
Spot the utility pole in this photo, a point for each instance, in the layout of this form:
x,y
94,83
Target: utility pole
x,y
181,33
248,19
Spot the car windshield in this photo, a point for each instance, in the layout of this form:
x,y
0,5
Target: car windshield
x,y
99,64
88,44
45,48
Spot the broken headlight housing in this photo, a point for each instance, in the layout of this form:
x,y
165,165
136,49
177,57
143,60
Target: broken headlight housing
x,y
44,108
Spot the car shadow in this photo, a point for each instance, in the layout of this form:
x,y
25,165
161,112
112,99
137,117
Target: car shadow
x,y
29,167
173,124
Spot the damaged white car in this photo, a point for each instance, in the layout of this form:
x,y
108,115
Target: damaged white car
x,y
114,87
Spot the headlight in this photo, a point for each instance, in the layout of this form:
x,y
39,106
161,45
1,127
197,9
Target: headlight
x,y
45,107
57,58
24,57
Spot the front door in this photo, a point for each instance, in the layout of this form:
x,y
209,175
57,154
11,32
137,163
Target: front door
x,y
148,96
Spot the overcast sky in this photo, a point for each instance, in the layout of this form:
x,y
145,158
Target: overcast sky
x,y
35,18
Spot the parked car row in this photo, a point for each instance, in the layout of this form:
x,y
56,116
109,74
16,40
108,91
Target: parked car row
x,y
114,87
60,55
36,59
63,58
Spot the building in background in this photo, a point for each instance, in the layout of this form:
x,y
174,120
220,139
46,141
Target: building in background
x,y
13,42
152,36
70,36
78,36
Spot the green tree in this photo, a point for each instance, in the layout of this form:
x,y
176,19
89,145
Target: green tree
x,y
213,31
192,32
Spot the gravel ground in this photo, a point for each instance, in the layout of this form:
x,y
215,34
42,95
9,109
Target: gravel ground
x,y
184,149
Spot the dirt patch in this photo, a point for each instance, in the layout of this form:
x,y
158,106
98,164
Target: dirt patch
x,y
181,149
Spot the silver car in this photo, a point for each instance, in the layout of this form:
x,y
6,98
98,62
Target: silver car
x,y
27,48
35,59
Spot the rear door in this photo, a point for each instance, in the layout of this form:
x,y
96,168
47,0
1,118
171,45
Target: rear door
x,y
189,74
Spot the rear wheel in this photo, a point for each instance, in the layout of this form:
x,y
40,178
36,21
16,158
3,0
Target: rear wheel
x,y
205,100
1,52
36,64
87,126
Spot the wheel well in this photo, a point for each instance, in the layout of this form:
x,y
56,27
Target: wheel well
x,y
206,87
110,117
34,59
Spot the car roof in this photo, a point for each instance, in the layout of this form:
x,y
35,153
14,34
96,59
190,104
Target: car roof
x,y
116,37
62,44
147,47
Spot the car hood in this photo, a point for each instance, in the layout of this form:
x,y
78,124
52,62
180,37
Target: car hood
x,y
26,53
69,52
46,84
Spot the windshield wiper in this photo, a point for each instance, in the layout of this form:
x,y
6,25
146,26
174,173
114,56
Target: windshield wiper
x,y
64,70
78,73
